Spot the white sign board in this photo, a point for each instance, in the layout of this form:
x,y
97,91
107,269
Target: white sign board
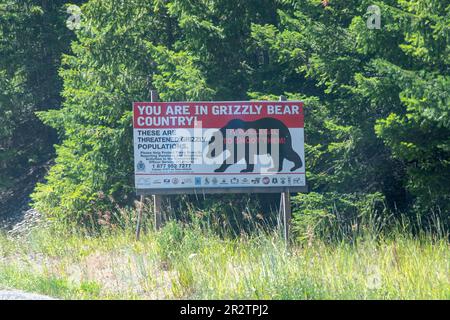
x,y
185,147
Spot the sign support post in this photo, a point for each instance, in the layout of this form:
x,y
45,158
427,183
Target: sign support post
x,y
157,204
139,218
285,210
286,214
157,199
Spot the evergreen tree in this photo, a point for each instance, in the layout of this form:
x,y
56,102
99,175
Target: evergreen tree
x,y
418,133
390,83
32,37
121,53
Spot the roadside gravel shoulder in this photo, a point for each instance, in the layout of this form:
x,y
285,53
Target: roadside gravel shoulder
x,y
19,295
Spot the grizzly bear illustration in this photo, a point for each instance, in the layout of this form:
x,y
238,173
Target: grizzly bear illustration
x,y
235,129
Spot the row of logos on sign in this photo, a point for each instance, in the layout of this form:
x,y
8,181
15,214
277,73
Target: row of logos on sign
x,y
218,181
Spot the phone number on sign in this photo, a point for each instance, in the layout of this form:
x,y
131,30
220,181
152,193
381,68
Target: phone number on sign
x,y
171,166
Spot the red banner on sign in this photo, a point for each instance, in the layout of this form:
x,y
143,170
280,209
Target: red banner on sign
x,y
165,115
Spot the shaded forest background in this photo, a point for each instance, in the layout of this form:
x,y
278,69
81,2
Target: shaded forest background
x,y
377,102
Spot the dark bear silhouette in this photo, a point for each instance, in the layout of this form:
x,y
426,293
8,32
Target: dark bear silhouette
x,y
285,146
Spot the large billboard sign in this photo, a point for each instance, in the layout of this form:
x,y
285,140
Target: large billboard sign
x,y
210,147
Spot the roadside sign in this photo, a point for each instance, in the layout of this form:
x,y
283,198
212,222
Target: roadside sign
x,y
219,147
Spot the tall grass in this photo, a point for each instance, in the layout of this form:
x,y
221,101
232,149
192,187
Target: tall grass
x,y
191,261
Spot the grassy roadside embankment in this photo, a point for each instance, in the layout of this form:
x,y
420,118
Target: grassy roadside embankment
x,y
187,262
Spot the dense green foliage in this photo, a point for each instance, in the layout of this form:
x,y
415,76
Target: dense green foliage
x,y
377,101
385,130
33,36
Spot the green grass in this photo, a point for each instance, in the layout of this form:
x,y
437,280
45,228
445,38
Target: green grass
x,y
186,262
